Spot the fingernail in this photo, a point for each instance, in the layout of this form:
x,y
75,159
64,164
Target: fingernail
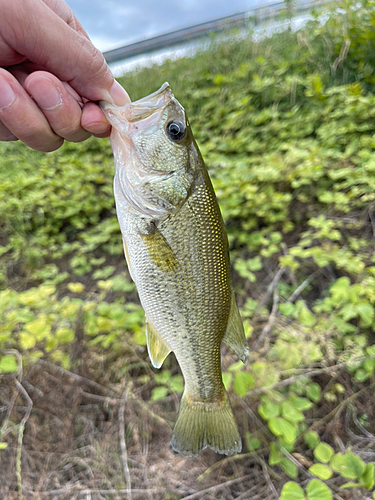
x,y
46,96
7,95
118,94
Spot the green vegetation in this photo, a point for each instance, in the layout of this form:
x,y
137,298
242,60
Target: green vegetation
x,y
287,128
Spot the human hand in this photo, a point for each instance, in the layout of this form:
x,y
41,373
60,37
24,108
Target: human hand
x,y
50,74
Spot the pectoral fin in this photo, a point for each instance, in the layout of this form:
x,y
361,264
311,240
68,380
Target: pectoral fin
x,y
235,336
157,348
159,250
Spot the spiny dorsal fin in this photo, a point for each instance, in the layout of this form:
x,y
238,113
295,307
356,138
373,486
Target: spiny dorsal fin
x,y
235,336
159,250
157,348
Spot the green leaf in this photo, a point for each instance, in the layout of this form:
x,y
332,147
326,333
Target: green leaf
x,y
321,471
159,393
255,264
316,490
313,392
252,443
292,491
275,455
281,427
300,403
291,413
268,409
76,287
139,338
64,335
367,478
366,312
104,273
323,452
8,364
40,328
361,375
243,381
287,309
349,465
105,284
227,380
177,383
27,340
312,439
306,317
349,485
236,366
289,468
369,365
3,446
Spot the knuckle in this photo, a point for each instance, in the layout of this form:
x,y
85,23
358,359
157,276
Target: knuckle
x,y
98,67
68,130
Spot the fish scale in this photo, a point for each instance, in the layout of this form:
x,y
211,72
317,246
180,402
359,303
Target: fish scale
x,y
177,252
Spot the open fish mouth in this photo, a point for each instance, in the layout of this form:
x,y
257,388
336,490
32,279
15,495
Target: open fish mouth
x,y
138,110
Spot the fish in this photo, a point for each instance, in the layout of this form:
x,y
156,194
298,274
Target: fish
x,y
176,249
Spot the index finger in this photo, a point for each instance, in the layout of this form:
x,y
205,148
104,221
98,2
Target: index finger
x,y
34,30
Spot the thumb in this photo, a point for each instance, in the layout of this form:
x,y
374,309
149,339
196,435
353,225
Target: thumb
x,y
60,49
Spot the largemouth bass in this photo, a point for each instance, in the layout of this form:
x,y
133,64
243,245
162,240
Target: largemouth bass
x,y
177,253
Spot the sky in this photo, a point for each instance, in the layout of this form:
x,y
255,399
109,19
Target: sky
x,y
113,23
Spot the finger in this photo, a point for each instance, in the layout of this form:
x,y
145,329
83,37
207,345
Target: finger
x,y
94,120
5,134
23,70
58,105
65,12
60,49
19,74
73,93
22,117
105,134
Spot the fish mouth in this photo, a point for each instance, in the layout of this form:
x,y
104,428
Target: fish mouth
x,y
141,109
138,110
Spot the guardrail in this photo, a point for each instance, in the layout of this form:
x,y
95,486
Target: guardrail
x,y
255,17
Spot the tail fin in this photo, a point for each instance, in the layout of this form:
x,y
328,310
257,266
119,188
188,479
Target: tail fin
x,y
199,425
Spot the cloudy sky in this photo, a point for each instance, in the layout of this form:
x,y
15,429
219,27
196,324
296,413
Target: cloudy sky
x,y
112,23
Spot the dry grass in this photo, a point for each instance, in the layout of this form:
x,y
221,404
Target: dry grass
x,y
87,441
73,446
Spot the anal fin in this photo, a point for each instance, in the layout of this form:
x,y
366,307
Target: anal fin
x,y
157,348
235,336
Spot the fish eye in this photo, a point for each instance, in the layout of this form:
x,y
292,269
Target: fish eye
x,y
175,130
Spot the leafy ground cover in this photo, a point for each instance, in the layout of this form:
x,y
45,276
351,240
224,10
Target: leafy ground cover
x,y
287,128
